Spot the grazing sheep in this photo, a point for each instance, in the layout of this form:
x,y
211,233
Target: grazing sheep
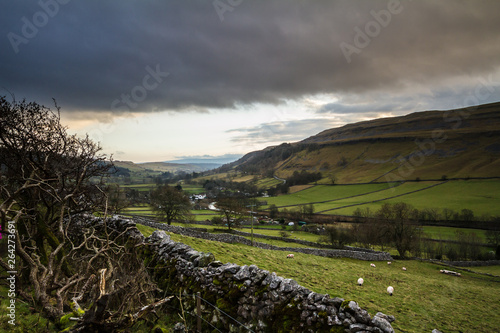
x,y
388,263
360,281
373,265
404,268
390,290
290,256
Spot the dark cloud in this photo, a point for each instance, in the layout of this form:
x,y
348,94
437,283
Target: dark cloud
x,y
90,53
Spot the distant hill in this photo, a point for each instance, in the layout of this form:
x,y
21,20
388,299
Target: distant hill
x,y
212,160
458,143
164,166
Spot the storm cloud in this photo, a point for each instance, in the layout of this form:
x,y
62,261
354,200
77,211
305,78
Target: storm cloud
x,y
143,56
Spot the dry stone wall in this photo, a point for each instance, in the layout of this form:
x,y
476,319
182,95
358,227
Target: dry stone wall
x,y
302,242
354,253
249,299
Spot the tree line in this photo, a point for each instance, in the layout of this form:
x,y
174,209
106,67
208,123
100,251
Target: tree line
x,y
399,226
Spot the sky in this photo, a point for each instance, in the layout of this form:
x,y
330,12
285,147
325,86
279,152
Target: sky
x,y
169,80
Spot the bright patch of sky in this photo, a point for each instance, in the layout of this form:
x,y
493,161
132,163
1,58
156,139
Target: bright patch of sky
x,y
161,136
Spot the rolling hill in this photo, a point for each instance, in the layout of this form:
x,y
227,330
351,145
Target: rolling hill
x,y
430,145
165,166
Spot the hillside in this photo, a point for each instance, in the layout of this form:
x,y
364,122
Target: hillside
x,y
462,143
165,166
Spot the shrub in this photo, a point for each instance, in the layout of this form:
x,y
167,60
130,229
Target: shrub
x,y
451,253
284,234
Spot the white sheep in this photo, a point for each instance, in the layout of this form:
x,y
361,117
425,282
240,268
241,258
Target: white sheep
x,y
388,263
290,256
390,290
404,268
360,281
373,265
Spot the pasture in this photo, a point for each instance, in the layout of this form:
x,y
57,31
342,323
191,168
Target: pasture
x,y
424,299
324,193
145,210
480,196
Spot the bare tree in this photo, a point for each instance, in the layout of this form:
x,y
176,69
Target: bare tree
x,y
232,210
400,224
116,199
46,177
170,203
337,236
493,236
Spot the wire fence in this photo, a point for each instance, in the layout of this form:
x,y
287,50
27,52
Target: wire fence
x,y
198,315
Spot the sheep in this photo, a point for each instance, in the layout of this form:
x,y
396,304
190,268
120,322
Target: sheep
x,y
390,290
360,281
373,265
404,268
388,263
290,256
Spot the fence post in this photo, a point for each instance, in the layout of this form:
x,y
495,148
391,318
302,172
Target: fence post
x,y
198,310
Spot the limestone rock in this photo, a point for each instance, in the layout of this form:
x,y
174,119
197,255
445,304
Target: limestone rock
x,y
382,324
243,273
386,317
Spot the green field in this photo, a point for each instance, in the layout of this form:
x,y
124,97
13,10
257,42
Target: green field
x,y
481,196
424,299
399,191
293,234
494,270
267,182
324,193
140,187
188,188
145,210
192,189
448,233
202,215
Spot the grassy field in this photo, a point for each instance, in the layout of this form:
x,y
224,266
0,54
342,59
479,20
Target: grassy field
x,y
293,234
188,188
434,232
142,209
494,270
481,196
145,210
277,242
448,233
192,189
369,197
140,187
267,182
323,193
202,215
424,299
